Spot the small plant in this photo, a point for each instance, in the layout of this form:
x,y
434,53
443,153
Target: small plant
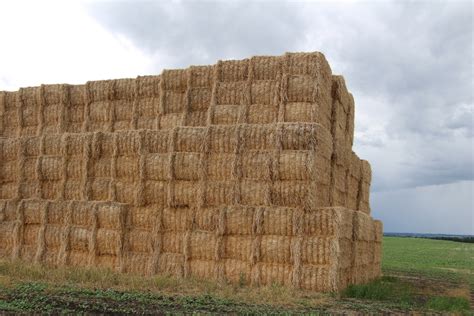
x,y
448,304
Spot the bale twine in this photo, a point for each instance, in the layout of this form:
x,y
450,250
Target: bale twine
x,y
18,230
92,246
20,101
41,243
41,102
257,227
66,235
87,104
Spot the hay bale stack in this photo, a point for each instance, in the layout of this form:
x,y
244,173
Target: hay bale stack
x,y
241,171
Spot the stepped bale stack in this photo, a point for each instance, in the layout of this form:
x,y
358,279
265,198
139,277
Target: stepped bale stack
x,y
240,171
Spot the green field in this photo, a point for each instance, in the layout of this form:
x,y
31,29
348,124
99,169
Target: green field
x,y
419,275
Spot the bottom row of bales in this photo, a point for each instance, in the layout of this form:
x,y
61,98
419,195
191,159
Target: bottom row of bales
x,y
324,249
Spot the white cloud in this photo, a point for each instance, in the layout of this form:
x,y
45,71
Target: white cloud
x,y
45,42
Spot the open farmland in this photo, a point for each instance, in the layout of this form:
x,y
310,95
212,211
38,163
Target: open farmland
x,y
419,275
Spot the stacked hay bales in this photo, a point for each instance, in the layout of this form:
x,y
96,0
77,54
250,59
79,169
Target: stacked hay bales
x,y
242,172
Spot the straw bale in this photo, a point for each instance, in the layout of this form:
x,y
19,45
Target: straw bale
x,y
340,92
278,221
8,209
148,86
51,168
53,236
156,141
264,92
142,217
232,93
312,64
27,253
266,67
147,112
184,193
202,245
207,219
139,241
171,264
100,189
185,166
31,211
127,168
233,70
302,89
308,112
321,222
199,98
173,242
201,76
262,114
170,120
111,215
238,247
177,219
317,250
8,171
107,261
237,271
78,258
364,228
275,249
79,239
366,171
8,190
363,252
100,90
29,168
218,166
303,136
136,262
156,166
220,193
222,139
239,220
10,122
50,190
204,269
274,273
256,165
156,192
189,139
291,193
315,278
10,100
6,238
378,227
196,118
174,101
255,192
258,137
226,114
109,242
175,79
31,146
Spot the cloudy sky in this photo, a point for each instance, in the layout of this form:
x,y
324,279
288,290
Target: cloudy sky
x,y
409,65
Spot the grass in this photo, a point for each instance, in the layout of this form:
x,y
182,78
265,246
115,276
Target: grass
x,y
417,278
440,259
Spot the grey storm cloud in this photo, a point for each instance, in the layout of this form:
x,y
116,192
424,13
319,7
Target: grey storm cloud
x,y
408,64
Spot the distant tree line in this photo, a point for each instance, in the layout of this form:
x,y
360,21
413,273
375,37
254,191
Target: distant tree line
x,y
459,238
468,239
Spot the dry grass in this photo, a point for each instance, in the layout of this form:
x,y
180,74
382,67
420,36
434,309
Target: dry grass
x,y
12,273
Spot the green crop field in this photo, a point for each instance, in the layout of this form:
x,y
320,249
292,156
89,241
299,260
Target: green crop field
x,y
419,275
